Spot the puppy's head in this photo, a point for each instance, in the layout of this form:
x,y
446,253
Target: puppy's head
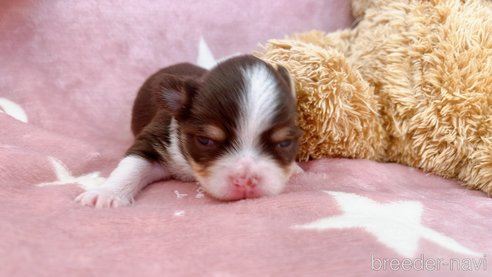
x,y
238,128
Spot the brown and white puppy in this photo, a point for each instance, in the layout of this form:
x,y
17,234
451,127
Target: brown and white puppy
x,y
233,129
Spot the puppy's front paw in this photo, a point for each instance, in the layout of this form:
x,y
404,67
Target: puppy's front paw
x,y
103,199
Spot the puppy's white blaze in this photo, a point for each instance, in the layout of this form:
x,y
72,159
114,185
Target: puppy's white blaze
x,y
259,103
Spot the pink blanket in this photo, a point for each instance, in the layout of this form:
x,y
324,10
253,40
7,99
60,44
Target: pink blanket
x,y
69,72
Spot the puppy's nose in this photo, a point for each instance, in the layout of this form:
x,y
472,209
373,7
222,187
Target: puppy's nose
x,y
244,182
244,186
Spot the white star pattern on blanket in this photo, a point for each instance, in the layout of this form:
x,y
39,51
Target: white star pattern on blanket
x,y
396,225
65,177
205,57
12,109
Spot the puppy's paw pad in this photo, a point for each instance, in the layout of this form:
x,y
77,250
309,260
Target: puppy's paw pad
x,y
102,199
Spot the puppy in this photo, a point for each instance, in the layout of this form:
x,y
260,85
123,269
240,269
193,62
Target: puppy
x,y
233,129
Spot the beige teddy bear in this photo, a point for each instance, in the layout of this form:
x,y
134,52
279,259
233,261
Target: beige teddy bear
x,y
410,83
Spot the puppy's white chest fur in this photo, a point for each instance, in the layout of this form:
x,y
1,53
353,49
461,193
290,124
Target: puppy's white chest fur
x,y
177,164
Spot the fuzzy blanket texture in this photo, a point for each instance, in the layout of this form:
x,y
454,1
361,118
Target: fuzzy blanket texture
x,y
69,73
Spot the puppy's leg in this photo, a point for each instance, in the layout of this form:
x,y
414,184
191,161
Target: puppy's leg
x,y
131,175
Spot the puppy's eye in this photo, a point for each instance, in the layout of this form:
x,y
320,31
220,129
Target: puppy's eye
x,y
205,141
284,144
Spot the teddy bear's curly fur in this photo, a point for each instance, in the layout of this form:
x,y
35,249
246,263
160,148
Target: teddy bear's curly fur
x,y
411,83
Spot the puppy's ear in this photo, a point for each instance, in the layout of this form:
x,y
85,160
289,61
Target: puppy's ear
x,y
287,78
175,94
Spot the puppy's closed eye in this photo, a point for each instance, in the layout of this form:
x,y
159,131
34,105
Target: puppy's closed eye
x,y
205,141
285,143
209,136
